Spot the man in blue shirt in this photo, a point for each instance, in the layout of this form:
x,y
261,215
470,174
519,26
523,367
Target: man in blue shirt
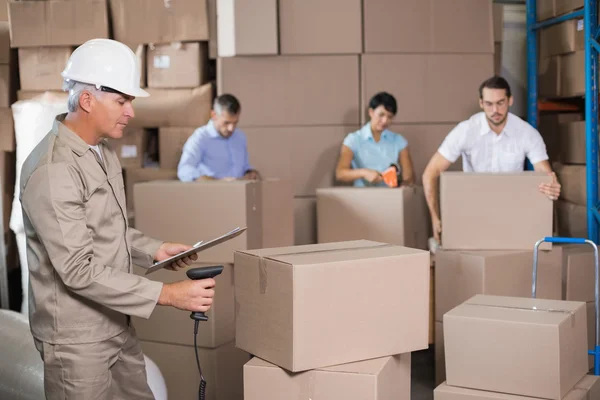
x,y
371,150
217,150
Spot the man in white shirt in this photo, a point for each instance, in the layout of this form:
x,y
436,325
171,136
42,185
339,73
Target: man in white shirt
x,y
490,141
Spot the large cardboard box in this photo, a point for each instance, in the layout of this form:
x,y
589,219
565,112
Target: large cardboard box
x,y
170,145
537,346
139,175
212,29
550,127
303,30
4,10
131,147
223,369
173,107
572,141
57,23
247,28
564,6
7,130
498,14
40,67
173,21
305,220
428,26
572,82
5,51
482,211
462,274
178,65
572,220
400,216
205,210
545,9
379,379
562,38
171,325
281,295
293,91
578,273
305,155
573,182
549,77
423,84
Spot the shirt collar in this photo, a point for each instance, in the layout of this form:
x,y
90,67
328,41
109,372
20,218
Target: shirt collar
x,y
212,131
77,144
366,133
485,125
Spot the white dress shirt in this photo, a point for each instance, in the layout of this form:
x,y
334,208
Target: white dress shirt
x,y
485,151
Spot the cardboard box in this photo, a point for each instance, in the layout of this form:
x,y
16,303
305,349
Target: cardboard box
x,y
305,220
498,58
247,28
40,67
175,21
545,9
572,179
173,107
423,84
572,141
57,23
591,332
482,211
179,65
212,29
305,31
171,325
170,145
440,358
305,155
223,369
140,175
428,26
206,210
549,77
140,53
550,129
572,220
431,305
572,81
401,216
461,275
293,91
5,52
537,346
586,389
565,6
5,86
563,38
131,147
4,10
378,379
281,293
7,130
498,14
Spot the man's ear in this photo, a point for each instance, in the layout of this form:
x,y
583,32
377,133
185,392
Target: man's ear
x,y
481,103
85,101
511,100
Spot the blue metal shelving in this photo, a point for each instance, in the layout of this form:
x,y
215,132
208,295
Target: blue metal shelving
x,y
592,48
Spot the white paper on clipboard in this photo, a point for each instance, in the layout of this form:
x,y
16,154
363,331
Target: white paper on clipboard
x,y
200,246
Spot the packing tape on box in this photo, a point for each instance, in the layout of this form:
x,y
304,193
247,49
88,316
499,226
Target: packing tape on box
x,y
534,308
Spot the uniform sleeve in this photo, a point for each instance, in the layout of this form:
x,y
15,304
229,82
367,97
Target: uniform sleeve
x,y
351,142
53,202
190,165
453,145
536,148
143,248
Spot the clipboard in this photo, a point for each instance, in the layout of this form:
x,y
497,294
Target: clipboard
x,y
198,247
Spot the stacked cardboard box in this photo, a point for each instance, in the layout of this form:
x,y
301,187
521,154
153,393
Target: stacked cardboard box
x,y
286,298
498,37
518,348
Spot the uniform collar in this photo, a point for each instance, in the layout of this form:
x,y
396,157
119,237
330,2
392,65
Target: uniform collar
x,y
212,131
77,144
485,126
367,134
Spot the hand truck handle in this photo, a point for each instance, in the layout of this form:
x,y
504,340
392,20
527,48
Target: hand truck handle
x,y
564,240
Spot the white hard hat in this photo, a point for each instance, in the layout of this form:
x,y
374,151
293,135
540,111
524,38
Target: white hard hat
x,y
108,64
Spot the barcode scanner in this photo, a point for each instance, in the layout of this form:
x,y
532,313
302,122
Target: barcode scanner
x,y
195,274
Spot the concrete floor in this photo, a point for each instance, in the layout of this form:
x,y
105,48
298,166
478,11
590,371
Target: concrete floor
x,y
423,374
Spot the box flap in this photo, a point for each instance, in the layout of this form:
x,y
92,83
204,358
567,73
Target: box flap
x,y
347,254
367,367
309,248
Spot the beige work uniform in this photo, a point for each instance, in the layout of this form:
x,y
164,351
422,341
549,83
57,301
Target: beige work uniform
x,y
80,251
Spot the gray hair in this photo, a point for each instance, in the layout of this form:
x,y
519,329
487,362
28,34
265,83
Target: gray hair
x,y
75,89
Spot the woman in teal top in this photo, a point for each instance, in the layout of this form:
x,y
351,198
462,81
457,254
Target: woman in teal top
x,y
372,149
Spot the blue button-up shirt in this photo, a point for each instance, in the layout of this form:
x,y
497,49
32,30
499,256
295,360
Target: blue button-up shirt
x,y
374,155
207,153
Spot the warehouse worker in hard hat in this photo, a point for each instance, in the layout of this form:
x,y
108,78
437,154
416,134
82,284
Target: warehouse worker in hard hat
x,y
368,152
80,248
493,140
217,150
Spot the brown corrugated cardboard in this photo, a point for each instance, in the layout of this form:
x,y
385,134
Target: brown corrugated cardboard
x,y
7,130
483,211
423,85
379,379
572,141
212,29
178,65
549,128
549,77
305,220
305,31
173,107
222,368
305,155
171,325
431,26
293,91
572,82
572,220
170,145
537,346
280,294
205,210
4,10
462,274
397,216
564,6
4,39
40,67
440,359
546,9
578,273
573,183
562,38
131,147
139,175
247,28
498,14
175,21
57,23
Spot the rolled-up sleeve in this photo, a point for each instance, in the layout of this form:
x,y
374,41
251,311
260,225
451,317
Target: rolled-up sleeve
x,y
143,248
53,202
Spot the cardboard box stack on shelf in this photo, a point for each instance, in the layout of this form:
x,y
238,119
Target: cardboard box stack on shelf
x,y
498,37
